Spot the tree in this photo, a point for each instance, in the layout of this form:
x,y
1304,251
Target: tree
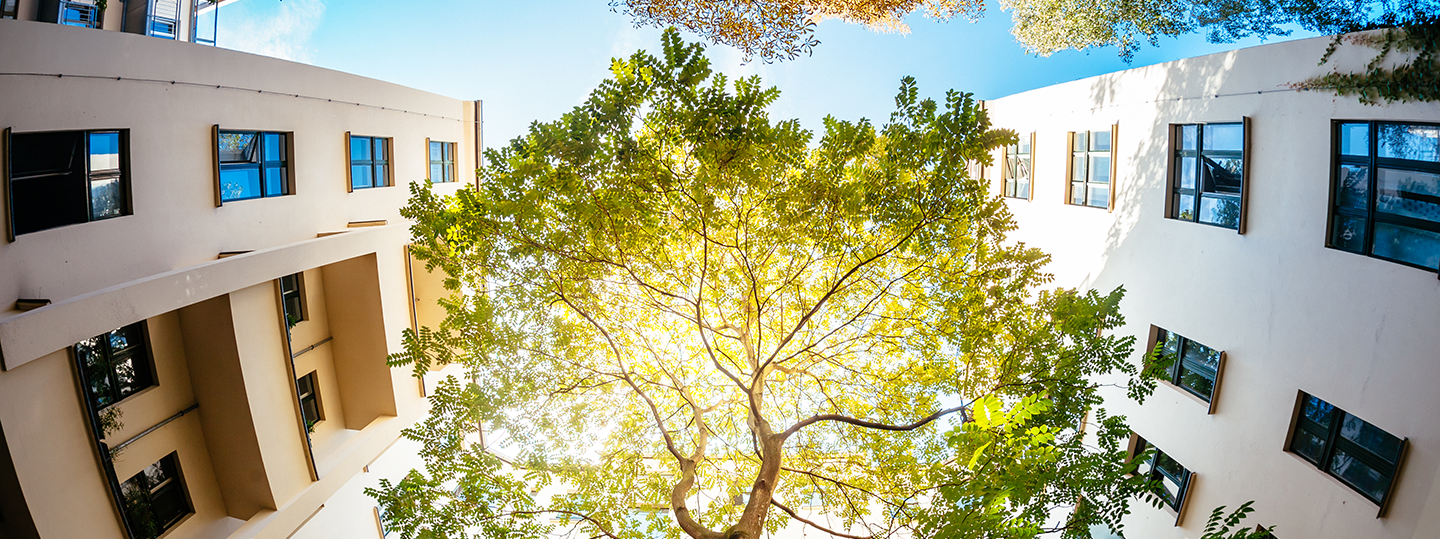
x,y
665,294
784,29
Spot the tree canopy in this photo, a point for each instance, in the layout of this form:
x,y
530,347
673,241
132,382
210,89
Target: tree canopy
x,y
679,317
784,29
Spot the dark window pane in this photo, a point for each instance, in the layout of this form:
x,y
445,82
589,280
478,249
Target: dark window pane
x,y
1367,480
1354,187
1168,466
1355,139
106,198
1408,193
1318,411
238,183
126,378
1379,442
1407,141
1227,137
1308,445
289,283
274,146
1405,244
168,504
359,148
1188,137
1222,175
124,338
1186,169
1220,210
237,146
1100,141
360,176
104,151
1349,234
275,182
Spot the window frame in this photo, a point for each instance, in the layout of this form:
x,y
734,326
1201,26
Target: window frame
x,y
448,167
286,164
90,7
1177,152
142,360
386,164
1009,187
1333,441
1175,374
298,294
1070,155
173,485
13,12
121,174
312,378
1372,162
1138,446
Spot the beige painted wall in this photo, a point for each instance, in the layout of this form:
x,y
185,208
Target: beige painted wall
x,y
1290,313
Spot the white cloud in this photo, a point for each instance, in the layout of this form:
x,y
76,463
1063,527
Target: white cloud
x,y
282,33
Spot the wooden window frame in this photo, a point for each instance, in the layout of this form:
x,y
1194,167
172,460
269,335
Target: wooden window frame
x,y
449,166
1070,152
1172,172
291,183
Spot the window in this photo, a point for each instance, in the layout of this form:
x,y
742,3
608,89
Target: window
x,y
253,164
1209,174
9,9
1342,445
309,391
164,20
63,178
292,297
1194,367
1090,168
1017,168
1386,192
369,162
155,499
115,365
442,162
1173,479
83,14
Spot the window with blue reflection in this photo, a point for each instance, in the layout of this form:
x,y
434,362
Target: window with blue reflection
x,y
1386,192
1090,169
369,162
1209,174
442,162
1194,367
253,164
1359,454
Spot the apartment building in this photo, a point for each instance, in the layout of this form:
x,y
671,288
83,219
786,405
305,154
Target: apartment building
x,y
202,271
1282,246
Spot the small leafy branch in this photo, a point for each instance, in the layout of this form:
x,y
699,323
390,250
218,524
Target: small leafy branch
x,y
1416,80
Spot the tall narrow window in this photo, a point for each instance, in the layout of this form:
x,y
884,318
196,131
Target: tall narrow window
x,y
62,178
1172,479
1209,174
1194,367
309,391
369,162
1357,453
115,365
442,162
1090,169
292,296
83,13
253,164
155,498
1386,192
9,8
1017,168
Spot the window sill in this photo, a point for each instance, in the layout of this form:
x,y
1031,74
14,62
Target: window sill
x,y
1349,490
1207,404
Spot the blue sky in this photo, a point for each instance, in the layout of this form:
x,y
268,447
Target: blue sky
x,y
534,60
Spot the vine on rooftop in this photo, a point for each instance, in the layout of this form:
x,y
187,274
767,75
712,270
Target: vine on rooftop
x,y
1416,80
